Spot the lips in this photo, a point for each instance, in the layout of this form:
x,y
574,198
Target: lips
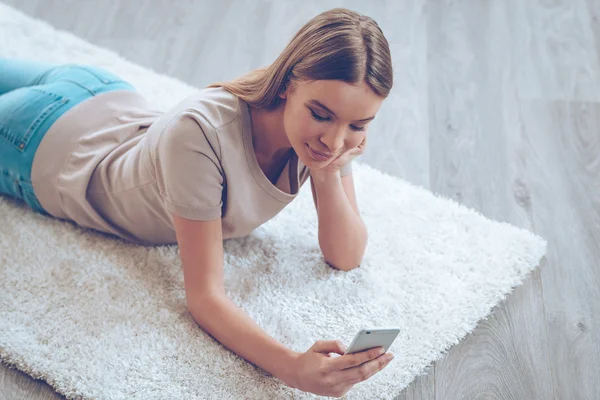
x,y
320,152
317,156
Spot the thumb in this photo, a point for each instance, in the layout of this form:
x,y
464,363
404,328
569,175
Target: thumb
x,y
329,346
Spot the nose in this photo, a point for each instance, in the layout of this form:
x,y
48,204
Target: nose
x,y
334,140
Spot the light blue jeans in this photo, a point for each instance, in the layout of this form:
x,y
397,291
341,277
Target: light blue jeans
x,y
32,97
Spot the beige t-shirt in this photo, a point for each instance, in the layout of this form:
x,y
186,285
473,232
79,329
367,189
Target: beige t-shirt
x,y
114,164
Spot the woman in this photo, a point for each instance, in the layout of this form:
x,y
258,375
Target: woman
x,y
81,144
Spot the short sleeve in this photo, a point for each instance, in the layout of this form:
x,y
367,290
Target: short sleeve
x,y
346,169
189,173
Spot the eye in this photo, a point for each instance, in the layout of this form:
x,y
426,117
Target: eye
x,y
320,119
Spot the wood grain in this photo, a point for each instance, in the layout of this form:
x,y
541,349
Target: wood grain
x,y
496,105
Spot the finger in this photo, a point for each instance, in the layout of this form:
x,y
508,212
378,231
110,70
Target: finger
x,y
339,349
329,346
362,146
348,156
354,359
362,372
339,162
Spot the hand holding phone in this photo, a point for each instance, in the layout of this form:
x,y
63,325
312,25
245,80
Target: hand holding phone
x,y
315,371
374,337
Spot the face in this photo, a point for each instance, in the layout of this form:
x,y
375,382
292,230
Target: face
x,y
332,130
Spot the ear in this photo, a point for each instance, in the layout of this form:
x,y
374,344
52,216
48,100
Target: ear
x,y
289,88
284,94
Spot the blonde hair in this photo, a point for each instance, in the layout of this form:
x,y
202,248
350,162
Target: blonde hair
x,y
338,44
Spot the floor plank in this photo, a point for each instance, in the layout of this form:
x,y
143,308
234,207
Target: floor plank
x,y
475,160
16,385
496,104
566,197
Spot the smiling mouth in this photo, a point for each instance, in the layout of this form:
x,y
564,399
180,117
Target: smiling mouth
x,y
321,153
316,155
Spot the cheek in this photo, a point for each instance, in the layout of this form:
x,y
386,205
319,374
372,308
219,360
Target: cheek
x,y
299,128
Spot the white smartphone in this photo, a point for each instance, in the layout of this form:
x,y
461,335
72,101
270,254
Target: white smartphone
x,y
374,337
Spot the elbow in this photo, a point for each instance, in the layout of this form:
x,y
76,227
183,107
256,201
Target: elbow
x,y
345,260
351,268
342,267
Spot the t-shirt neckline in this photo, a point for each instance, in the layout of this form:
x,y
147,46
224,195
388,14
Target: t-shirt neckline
x,y
257,172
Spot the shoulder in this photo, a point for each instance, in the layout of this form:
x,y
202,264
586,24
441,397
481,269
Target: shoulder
x,y
197,120
215,106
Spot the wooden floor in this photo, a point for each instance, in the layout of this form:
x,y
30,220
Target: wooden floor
x,y
496,104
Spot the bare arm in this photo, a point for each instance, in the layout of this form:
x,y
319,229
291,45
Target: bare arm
x,y
201,250
342,233
232,327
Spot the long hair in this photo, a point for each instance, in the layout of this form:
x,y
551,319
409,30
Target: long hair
x,y
338,44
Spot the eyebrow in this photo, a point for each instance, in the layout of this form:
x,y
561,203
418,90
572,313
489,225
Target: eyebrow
x,y
319,104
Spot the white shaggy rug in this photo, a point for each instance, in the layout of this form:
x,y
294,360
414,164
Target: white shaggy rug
x,y
98,318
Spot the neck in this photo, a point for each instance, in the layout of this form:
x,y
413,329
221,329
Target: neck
x,y
268,133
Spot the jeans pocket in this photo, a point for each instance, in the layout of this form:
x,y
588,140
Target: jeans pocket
x,y
23,110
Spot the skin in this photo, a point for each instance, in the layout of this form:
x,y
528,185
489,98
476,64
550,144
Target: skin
x,y
292,124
